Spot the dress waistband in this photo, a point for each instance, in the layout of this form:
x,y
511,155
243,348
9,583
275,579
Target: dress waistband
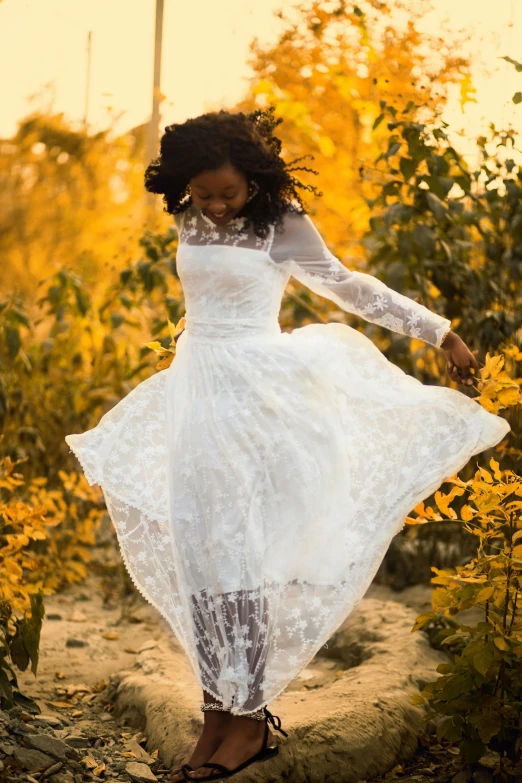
x,y
215,329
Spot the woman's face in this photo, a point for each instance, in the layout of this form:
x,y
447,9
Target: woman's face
x,y
220,193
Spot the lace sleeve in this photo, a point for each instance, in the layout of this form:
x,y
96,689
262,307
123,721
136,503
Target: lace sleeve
x,y
315,266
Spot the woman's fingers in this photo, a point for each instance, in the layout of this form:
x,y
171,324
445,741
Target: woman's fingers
x,y
463,373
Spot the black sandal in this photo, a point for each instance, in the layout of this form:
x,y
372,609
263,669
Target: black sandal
x,y
264,754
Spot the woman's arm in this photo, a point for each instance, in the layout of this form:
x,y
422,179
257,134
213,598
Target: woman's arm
x,y
355,292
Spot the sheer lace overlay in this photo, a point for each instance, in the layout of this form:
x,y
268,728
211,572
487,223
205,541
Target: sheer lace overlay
x,y
255,485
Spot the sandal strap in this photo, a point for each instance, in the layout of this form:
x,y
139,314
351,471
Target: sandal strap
x,y
215,766
275,721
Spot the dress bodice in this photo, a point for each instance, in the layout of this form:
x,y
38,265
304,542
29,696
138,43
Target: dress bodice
x,y
230,292
234,280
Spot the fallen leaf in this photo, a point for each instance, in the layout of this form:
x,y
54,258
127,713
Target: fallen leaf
x,y
62,705
76,713
112,635
130,650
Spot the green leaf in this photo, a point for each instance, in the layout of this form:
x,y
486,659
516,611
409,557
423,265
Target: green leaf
x,y
472,750
436,206
455,686
17,315
393,149
116,320
422,619
408,168
12,340
447,730
488,724
378,121
483,659
424,238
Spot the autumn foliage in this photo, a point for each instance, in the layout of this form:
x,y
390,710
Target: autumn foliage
x,y
93,304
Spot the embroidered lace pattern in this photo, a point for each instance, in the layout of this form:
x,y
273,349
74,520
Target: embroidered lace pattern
x,y
255,484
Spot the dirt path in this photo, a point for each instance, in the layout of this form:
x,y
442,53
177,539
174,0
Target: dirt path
x,y
85,639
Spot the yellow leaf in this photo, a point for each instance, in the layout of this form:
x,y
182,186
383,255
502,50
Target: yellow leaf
x,y
12,568
493,464
326,146
171,328
492,366
164,363
485,594
501,643
415,521
514,352
486,475
467,513
509,396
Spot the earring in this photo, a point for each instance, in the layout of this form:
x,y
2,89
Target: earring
x,y
253,190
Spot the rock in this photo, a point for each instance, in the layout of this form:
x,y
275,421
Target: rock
x,y
464,776
140,753
52,746
32,760
61,777
16,726
77,617
71,642
482,775
140,773
77,741
7,749
47,720
489,759
55,768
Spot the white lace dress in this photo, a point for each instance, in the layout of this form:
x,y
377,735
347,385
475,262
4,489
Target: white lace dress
x,y
255,485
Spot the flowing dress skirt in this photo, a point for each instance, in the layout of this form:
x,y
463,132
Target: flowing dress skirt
x,y
255,486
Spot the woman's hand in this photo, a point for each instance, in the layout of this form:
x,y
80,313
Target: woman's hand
x,y
461,361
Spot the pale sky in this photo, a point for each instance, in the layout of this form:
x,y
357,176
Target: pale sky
x,y
205,47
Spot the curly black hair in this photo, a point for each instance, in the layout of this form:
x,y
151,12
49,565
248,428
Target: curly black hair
x,y
219,137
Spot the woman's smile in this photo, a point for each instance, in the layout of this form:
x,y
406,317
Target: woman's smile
x,y
222,217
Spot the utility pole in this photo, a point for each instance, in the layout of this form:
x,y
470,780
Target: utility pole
x,y
152,145
88,82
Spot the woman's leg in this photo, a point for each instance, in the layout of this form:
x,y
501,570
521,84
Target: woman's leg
x,y
244,735
215,727
215,722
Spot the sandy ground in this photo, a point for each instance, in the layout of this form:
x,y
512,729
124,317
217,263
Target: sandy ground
x,y
88,634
